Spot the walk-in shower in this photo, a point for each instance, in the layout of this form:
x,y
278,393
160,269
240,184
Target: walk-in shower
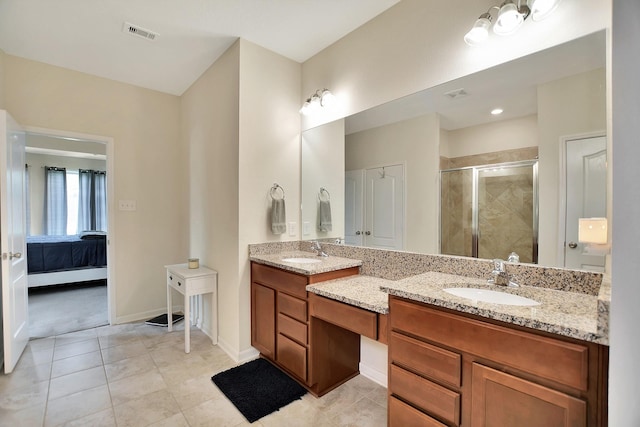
x,y
490,211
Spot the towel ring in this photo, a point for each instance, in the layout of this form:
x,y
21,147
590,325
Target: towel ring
x,y
324,191
274,192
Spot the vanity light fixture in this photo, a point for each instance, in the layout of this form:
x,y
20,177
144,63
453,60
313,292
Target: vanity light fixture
x,y
509,16
320,98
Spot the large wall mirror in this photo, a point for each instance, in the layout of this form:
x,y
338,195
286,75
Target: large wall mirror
x,y
401,175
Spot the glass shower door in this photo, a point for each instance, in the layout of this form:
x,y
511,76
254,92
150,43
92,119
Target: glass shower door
x,y
490,211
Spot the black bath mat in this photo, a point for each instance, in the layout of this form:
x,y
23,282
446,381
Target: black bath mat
x,y
163,321
258,388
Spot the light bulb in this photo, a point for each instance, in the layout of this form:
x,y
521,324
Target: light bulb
x,y
540,9
509,19
327,99
479,32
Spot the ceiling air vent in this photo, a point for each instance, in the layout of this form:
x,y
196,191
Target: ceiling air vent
x,y
135,30
455,94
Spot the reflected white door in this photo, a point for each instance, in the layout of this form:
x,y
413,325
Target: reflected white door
x,y
586,197
353,206
384,207
15,309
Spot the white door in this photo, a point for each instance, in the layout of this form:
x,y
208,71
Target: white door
x,y
586,194
353,205
15,309
384,207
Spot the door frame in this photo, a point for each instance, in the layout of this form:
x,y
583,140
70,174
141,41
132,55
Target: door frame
x,y
111,233
562,187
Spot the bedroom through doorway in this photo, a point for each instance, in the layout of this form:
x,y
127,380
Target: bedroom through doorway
x,y
67,232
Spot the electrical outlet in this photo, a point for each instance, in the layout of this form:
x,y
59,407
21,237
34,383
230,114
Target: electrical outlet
x,y
127,205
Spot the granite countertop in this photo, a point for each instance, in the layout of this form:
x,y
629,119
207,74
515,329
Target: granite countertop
x,y
360,291
574,314
326,264
570,314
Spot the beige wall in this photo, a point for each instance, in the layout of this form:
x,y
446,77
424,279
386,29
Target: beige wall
x,y
418,44
240,123
414,143
210,136
36,163
2,80
147,167
521,132
571,106
269,143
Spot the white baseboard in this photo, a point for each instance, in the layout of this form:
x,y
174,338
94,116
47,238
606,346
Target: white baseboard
x,y
238,357
373,374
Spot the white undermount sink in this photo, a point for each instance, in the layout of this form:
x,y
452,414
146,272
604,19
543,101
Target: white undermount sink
x,y
302,260
494,297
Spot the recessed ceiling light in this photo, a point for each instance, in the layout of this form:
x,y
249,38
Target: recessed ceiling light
x,y
497,111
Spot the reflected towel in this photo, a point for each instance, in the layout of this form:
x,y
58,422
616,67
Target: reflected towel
x,y
324,215
278,217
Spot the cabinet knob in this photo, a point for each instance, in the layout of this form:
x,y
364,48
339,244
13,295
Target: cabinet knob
x,y
368,233
170,277
358,233
179,284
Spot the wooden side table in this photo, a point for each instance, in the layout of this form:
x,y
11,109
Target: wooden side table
x,y
190,282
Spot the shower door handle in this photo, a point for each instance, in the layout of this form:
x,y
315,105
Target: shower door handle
x,y
573,245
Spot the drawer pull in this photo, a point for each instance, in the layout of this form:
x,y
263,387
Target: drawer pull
x,y
179,284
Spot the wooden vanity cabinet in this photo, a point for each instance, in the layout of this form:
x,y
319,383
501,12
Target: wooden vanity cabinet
x,y
454,369
280,316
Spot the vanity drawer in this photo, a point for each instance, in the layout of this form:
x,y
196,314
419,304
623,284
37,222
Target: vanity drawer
x,y
292,328
426,395
568,362
284,281
402,415
346,316
426,359
292,307
292,356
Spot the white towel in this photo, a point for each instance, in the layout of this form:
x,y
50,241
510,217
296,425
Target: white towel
x,y
278,216
324,215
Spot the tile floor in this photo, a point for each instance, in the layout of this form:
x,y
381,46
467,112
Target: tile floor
x,y
139,375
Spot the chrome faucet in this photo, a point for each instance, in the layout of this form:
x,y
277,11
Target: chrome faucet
x,y
315,246
499,275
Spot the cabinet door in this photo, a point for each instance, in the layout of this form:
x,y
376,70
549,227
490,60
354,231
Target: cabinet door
x,y
500,399
263,319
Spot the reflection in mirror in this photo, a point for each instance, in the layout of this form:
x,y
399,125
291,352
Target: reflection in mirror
x,y
549,98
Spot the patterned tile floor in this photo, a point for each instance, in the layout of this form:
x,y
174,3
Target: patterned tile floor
x,y
139,375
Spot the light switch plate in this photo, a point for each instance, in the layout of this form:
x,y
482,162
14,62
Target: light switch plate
x,y
293,228
306,228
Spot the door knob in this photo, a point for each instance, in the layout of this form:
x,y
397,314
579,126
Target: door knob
x,y
13,255
573,245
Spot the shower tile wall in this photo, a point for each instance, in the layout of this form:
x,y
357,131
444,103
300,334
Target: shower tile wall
x,y
505,213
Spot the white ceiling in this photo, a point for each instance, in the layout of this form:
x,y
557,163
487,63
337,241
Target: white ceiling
x,y
87,36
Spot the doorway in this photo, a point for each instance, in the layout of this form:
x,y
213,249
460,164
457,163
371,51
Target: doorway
x,y
585,195
68,266
374,207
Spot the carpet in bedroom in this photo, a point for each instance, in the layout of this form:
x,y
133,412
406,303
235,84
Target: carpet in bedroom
x,y
56,310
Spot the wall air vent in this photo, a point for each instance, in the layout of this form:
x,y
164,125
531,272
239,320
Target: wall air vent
x,y
457,93
135,30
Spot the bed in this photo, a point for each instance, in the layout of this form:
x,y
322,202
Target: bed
x,y
66,259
